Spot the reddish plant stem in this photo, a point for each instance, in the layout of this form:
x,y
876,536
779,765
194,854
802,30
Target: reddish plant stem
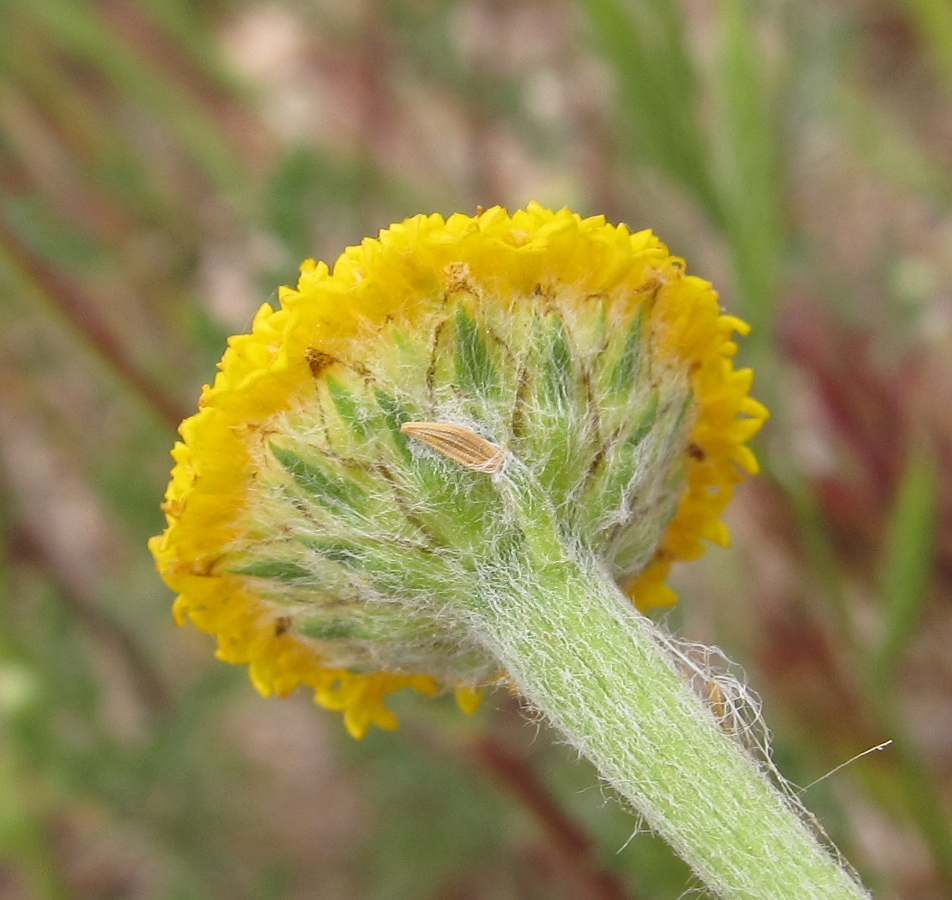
x,y
203,82
81,311
146,681
572,846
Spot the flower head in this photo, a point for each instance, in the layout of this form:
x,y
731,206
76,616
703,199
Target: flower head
x,y
319,522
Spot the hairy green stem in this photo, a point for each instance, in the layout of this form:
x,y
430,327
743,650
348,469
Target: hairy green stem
x,y
593,666
603,675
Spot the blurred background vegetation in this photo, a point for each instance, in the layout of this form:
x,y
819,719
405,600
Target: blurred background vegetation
x,y
165,165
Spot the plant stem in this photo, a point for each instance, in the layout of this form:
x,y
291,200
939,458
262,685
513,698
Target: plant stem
x,y
603,675
571,848
80,310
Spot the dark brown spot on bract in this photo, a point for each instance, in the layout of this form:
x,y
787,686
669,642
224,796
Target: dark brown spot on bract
x,y
696,452
317,360
281,625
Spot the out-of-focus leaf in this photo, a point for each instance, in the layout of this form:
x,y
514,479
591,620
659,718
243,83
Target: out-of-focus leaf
x,y
644,43
888,145
80,30
750,178
934,21
908,561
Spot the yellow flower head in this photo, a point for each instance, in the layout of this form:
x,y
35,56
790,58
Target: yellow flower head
x,y
317,532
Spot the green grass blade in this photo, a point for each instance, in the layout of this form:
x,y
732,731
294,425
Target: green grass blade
x,y
645,45
750,176
908,561
83,32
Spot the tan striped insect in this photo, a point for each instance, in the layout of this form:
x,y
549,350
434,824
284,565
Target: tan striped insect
x,y
460,444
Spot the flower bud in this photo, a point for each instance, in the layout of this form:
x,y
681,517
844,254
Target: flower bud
x,y
374,457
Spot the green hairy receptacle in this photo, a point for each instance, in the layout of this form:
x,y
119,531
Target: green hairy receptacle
x,y
384,521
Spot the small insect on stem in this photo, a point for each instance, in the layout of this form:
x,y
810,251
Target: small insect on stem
x,y
459,444
717,702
